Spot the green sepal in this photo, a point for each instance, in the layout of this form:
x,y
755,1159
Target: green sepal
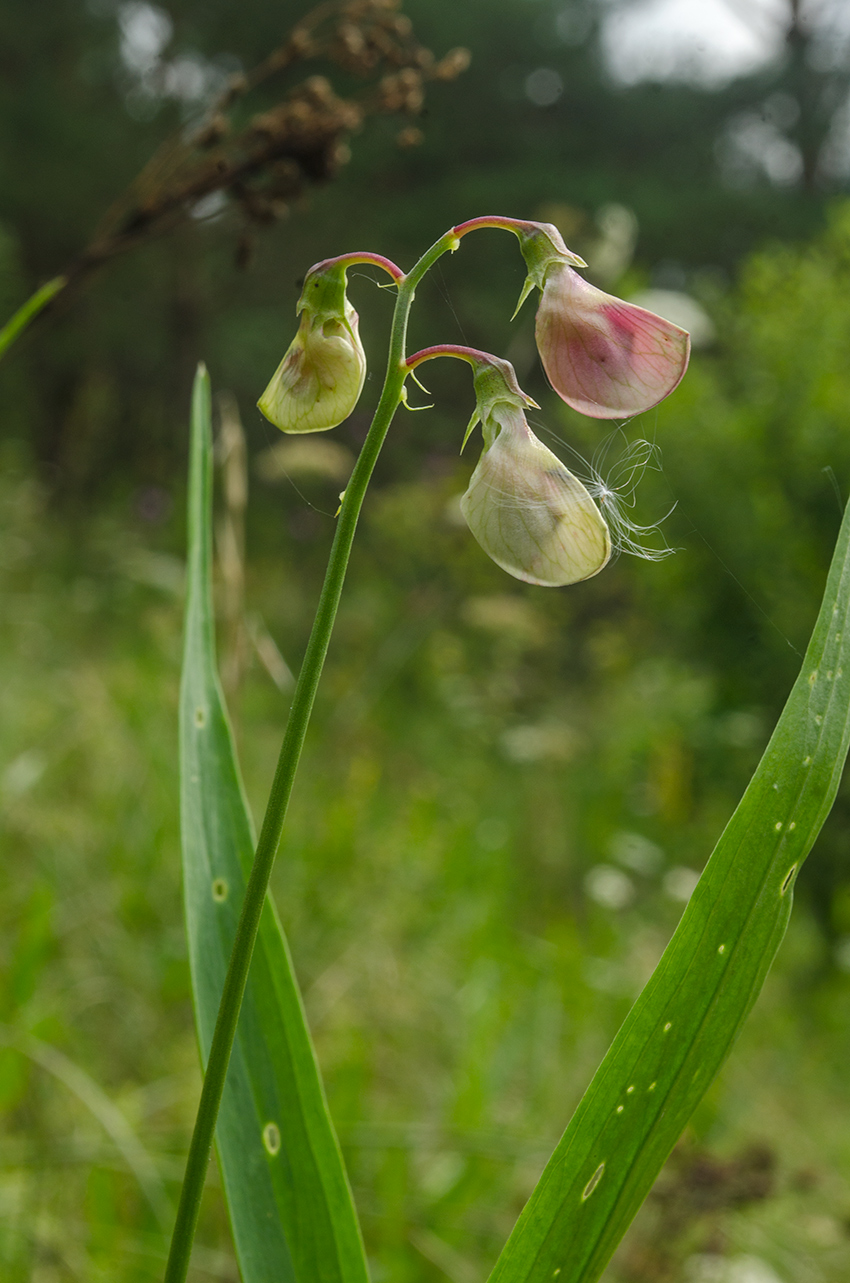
x,y
470,428
526,290
494,381
323,295
542,247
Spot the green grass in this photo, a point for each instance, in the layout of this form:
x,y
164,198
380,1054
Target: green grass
x,y
460,983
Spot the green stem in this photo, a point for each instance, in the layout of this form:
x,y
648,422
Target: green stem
x,y
28,311
293,741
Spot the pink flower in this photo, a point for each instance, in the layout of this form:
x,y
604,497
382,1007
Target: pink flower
x,y
606,358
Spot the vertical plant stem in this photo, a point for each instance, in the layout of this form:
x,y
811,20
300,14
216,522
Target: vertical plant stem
x,y
28,311
290,753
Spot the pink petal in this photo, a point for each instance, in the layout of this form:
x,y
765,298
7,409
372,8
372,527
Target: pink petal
x,y
606,358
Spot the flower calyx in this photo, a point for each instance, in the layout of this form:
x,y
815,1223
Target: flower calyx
x,y
495,384
543,248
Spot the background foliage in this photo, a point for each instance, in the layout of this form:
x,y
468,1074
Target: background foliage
x,y
506,790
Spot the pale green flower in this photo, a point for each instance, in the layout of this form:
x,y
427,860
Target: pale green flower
x,y
526,509
319,381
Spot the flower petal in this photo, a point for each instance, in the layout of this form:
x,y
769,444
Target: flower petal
x,y
529,513
606,358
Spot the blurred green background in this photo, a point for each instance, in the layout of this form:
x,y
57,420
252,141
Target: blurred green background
x,y
507,791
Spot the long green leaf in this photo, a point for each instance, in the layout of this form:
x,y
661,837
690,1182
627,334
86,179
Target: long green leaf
x,y
290,1205
684,1023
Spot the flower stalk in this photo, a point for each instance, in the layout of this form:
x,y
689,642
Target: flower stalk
x,y
524,229
364,256
471,355
527,511
290,753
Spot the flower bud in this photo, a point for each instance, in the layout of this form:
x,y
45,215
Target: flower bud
x,y
527,511
319,381
604,357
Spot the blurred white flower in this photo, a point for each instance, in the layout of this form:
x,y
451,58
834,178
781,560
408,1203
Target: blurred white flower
x,y
609,886
679,883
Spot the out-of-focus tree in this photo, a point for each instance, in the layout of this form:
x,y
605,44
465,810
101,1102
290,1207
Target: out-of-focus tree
x,y
225,151
539,125
796,129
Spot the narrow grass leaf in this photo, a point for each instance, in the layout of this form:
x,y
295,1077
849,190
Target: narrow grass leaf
x,y
290,1205
684,1023
99,1105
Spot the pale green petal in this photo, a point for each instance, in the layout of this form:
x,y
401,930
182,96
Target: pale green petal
x,y
530,514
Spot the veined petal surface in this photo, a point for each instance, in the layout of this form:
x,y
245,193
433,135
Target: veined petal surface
x,y
604,357
529,513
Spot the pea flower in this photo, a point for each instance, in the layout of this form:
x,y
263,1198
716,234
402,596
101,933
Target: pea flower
x,y
526,509
319,381
606,358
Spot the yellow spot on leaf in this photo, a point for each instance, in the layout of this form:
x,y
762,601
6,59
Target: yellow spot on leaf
x,y
271,1138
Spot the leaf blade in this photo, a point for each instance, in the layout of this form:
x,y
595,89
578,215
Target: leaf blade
x,y
704,987
288,1196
